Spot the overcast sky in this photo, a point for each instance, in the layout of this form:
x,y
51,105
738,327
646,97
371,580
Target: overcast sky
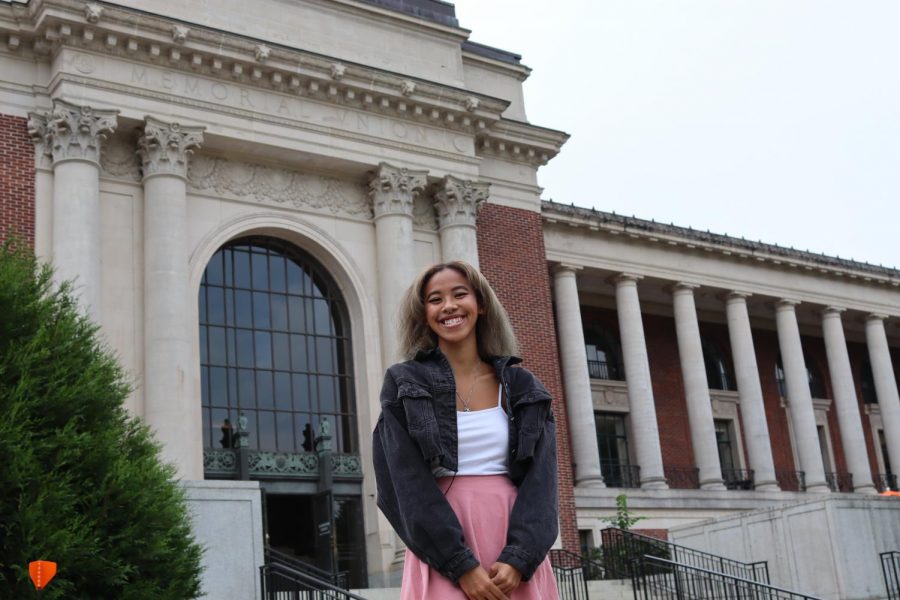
x,y
776,120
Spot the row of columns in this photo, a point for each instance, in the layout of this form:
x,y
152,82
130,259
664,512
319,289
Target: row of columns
x,y
642,411
71,137
393,191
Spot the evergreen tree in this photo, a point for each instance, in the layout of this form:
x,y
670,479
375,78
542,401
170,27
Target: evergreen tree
x,y
81,483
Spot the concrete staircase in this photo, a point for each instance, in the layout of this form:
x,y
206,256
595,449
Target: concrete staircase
x,y
597,590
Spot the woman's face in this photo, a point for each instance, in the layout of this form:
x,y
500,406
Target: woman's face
x,y
451,307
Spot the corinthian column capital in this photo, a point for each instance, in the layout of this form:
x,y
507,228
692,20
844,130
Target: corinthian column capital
x,y
457,201
393,190
165,147
70,132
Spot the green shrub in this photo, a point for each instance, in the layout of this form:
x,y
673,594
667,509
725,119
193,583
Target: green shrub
x,y
81,483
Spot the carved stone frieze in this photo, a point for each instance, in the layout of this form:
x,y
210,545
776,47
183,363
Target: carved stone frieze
x,y
393,190
120,158
71,132
165,147
264,183
457,201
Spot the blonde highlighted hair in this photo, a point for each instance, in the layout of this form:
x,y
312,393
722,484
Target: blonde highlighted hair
x,y
493,332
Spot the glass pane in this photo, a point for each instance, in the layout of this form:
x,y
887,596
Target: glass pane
x,y
215,298
204,358
303,425
281,351
243,309
219,419
264,391
266,430
301,393
207,429
229,307
263,349
204,386
283,399
323,317
218,391
246,389
279,312
327,396
216,345
241,269
325,355
276,274
296,314
213,274
260,271
298,353
294,277
285,432
244,347
228,267
261,318
202,305
231,345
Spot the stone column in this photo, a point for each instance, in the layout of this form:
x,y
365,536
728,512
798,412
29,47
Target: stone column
x,y
169,406
73,136
803,417
577,380
696,388
753,410
393,191
885,386
637,378
457,203
846,402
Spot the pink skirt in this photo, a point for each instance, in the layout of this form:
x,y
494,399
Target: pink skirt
x,y
482,504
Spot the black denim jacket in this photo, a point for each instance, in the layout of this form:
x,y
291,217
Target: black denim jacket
x,y
417,430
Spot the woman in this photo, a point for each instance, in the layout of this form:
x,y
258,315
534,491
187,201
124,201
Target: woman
x,y
465,448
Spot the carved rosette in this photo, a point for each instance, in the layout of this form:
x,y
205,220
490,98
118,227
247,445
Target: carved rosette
x,y
457,201
394,190
70,132
164,148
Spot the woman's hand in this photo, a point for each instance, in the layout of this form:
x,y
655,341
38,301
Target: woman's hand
x,y
506,577
477,585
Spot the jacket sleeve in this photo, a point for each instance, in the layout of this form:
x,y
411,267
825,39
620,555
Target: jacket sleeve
x,y
409,496
534,521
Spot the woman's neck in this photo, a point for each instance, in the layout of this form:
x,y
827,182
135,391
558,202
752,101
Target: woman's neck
x,y
463,358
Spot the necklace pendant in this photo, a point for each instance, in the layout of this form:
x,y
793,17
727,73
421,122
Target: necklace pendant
x,y
467,409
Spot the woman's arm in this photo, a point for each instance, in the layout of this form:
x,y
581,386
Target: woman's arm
x,y
534,521
409,496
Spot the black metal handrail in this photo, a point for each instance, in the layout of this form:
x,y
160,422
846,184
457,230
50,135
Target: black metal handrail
x,y
738,479
593,569
617,475
281,582
570,573
660,579
621,547
886,481
839,482
598,369
890,567
339,579
791,481
682,478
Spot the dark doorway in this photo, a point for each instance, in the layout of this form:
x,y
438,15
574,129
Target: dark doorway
x,y
291,528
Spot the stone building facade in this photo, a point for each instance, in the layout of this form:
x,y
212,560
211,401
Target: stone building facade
x,y
241,192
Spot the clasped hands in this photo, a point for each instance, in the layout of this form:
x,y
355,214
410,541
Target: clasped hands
x,y
496,584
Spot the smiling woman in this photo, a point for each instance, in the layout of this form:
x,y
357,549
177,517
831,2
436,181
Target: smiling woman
x,y
471,491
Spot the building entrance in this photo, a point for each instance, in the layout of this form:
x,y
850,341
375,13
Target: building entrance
x,y
292,528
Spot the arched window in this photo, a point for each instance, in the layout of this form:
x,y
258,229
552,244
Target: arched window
x,y
275,346
813,375
719,374
603,354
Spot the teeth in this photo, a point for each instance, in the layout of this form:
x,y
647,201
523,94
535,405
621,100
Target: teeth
x,y
453,321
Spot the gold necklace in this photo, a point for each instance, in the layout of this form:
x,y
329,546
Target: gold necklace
x,y
465,402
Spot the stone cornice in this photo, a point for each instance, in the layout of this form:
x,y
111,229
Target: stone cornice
x,y
704,241
520,72
520,142
41,27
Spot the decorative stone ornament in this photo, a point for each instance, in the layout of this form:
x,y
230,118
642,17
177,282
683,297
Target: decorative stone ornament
x,y
393,190
165,147
262,52
179,34
93,12
471,104
457,201
337,71
407,88
71,132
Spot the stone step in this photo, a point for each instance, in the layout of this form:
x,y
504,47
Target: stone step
x,y
619,589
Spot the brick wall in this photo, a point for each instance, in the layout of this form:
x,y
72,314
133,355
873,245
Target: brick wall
x,y
16,179
512,257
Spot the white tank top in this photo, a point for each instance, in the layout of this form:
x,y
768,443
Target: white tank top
x,y
483,442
